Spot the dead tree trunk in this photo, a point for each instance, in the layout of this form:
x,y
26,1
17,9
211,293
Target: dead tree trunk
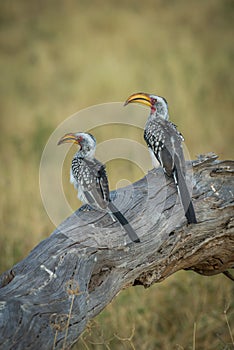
x,y
47,299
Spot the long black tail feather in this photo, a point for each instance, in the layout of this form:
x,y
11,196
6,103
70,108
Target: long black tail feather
x,y
124,223
184,194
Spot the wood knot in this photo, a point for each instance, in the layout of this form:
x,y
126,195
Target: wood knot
x,y
72,287
6,278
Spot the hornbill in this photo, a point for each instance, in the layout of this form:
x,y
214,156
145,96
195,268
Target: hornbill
x,y
89,178
165,143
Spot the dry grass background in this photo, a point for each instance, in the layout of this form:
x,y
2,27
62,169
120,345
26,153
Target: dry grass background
x,y
58,57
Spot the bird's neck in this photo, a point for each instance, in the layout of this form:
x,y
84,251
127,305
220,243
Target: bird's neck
x,y
155,114
85,152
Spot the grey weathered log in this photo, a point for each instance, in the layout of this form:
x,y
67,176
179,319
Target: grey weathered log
x,y
88,259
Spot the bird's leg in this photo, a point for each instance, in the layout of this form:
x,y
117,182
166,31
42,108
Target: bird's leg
x,y
112,216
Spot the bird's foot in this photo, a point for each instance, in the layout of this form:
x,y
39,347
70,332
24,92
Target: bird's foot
x,y
86,208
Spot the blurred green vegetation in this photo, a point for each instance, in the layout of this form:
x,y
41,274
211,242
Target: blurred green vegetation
x,y
58,57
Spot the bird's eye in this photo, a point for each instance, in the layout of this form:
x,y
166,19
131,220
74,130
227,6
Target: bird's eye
x,y
153,101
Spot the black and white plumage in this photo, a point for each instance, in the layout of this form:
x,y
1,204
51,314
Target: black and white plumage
x,y
165,143
89,177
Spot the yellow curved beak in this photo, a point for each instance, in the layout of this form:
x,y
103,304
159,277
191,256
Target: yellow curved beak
x,y
139,97
70,137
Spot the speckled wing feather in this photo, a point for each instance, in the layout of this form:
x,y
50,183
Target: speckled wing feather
x,y
165,141
91,182
102,183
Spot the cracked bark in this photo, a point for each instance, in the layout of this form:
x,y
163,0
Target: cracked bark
x,y
72,275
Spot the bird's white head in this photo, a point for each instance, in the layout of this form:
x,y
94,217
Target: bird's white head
x,y
86,142
158,105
